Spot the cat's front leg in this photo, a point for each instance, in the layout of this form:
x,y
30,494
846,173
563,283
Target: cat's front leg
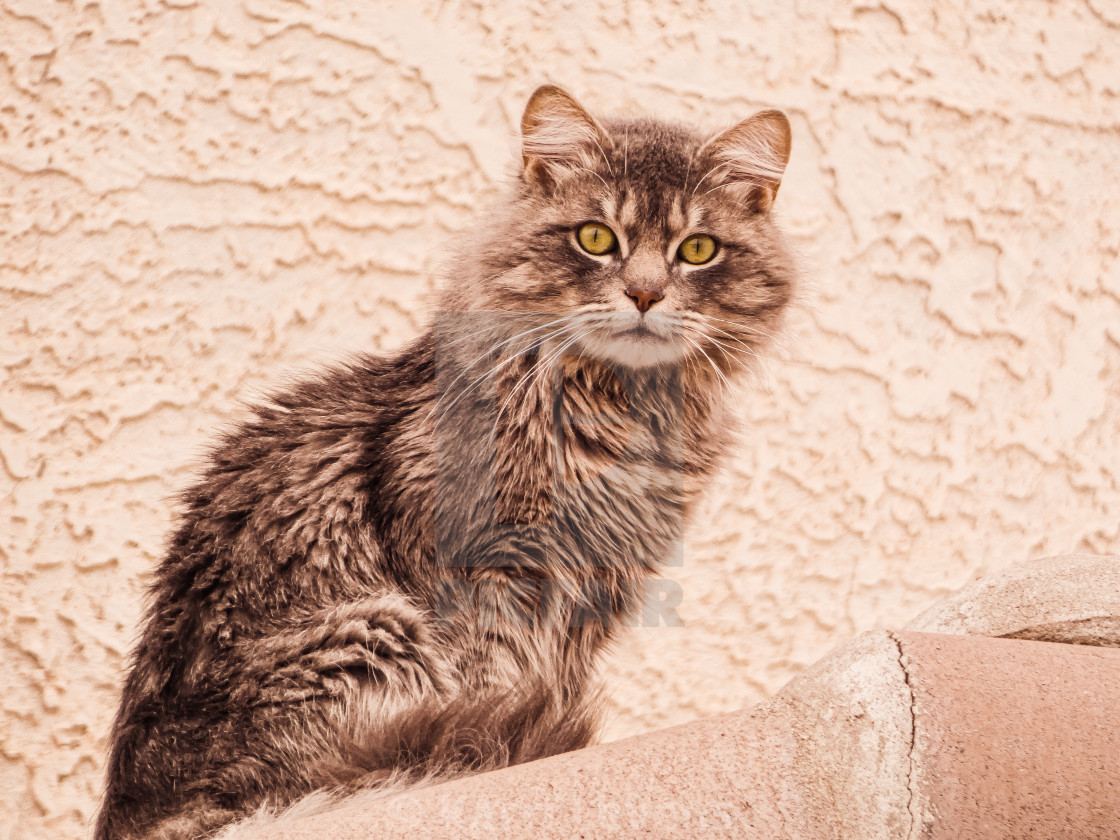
x,y
305,700
381,644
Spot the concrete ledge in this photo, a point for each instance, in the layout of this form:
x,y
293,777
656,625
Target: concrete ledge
x,y
1013,739
1073,599
896,736
905,736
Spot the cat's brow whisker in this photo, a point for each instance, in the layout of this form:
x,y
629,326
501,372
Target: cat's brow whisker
x,y
606,160
730,184
711,171
592,172
687,173
625,153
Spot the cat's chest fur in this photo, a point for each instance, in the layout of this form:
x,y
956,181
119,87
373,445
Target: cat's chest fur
x,y
580,476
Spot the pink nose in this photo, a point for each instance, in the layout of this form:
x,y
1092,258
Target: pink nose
x,y
643,298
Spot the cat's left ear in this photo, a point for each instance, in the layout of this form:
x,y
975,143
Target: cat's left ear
x,y
751,155
558,137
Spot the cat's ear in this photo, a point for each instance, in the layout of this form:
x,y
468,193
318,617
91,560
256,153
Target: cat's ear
x,y
558,137
752,155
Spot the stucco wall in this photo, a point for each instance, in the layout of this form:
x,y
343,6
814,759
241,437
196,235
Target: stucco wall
x,y
199,198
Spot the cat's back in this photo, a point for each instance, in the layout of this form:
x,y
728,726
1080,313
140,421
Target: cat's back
x,y
291,503
286,518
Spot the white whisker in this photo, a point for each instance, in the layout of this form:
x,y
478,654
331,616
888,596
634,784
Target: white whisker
x,y
489,372
625,152
726,384
754,351
711,171
749,328
490,351
592,172
761,357
541,366
606,160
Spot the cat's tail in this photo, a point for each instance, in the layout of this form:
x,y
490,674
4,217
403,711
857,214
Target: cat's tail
x,y
434,744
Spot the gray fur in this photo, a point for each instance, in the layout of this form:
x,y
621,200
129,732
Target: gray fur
x,y
405,568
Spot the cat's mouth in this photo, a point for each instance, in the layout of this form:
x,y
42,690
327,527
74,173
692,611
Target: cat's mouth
x,y
642,330
635,344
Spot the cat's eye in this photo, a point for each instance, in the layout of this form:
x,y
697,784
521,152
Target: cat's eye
x,y
596,239
697,249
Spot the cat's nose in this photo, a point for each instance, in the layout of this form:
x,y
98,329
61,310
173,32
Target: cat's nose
x,y
643,298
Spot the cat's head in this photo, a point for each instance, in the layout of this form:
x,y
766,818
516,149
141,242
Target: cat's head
x,y
646,242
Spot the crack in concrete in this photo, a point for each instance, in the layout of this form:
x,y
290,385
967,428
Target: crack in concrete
x,y
912,833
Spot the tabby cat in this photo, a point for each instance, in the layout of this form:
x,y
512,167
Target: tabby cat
x,y
405,568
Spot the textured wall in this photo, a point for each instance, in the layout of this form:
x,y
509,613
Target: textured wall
x,y
199,198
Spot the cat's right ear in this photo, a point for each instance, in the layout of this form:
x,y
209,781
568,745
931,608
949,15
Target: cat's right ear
x,y
558,137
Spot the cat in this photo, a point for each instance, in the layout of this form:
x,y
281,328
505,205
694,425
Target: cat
x,y
405,568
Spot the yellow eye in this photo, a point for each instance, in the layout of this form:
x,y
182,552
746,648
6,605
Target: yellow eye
x,y
697,249
596,239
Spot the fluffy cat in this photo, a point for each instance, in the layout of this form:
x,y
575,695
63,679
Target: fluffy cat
x,y
405,568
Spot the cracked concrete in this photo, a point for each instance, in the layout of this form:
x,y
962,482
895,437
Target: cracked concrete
x,y
914,832
896,736
851,717
1013,739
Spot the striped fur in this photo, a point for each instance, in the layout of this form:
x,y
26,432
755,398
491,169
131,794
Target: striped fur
x,y
405,568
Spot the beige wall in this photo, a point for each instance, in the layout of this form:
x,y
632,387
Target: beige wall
x,y
199,197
